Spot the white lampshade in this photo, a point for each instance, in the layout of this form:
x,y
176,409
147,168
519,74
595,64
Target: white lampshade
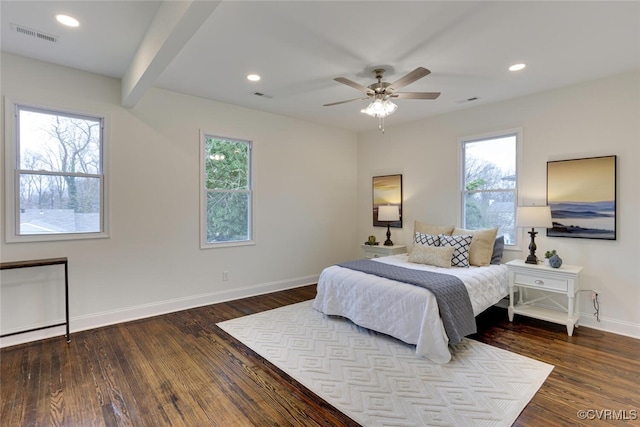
x,y
388,213
534,217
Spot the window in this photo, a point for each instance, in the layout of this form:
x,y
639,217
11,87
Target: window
x,y
226,193
55,180
489,183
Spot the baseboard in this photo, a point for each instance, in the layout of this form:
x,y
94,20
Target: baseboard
x,y
610,325
98,320
589,320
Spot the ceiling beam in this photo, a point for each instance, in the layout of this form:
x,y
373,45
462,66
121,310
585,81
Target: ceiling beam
x,y
173,26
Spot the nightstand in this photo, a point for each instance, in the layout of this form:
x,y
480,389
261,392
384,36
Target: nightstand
x,y
377,251
552,281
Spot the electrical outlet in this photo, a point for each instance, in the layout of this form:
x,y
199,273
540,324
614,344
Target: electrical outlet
x,y
594,294
225,276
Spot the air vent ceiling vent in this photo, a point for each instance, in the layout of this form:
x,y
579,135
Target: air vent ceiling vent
x,y
34,33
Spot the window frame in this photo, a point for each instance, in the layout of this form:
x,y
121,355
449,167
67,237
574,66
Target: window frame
x,y
204,244
13,172
518,134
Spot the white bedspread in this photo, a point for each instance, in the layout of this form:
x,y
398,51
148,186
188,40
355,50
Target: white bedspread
x,y
407,312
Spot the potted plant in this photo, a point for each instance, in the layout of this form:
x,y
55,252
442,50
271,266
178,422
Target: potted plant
x,y
549,254
552,259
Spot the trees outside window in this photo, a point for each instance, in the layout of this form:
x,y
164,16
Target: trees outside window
x,y
489,183
57,174
227,191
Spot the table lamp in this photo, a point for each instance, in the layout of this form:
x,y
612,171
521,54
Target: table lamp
x,y
534,217
388,213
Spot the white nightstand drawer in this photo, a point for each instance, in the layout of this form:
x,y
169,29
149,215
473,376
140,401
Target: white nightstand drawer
x,y
541,282
381,251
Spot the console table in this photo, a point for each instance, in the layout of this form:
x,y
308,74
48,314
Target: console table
x,y
42,263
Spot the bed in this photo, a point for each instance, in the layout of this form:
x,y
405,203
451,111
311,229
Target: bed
x,y
407,312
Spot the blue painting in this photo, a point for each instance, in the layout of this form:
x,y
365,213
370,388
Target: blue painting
x,y
582,196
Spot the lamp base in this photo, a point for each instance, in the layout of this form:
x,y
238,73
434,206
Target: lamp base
x,y
532,258
388,242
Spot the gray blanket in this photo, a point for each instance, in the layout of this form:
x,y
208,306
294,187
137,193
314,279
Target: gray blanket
x,y
451,294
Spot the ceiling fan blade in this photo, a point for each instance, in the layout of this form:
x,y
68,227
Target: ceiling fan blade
x,y
416,95
344,102
353,84
416,74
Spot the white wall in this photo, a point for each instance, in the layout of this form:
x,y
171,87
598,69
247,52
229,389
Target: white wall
x,y
152,262
591,119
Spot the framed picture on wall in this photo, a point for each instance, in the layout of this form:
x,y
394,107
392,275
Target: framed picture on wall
x,y
582,196
387,192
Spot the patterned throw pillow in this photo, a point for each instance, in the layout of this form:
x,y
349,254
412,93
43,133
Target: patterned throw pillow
x,y
461,244
481,244
426,239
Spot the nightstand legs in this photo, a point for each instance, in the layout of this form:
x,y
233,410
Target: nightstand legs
x,y
510,309
570,314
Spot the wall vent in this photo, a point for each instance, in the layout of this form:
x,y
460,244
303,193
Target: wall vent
x,y
34,33
464,101
262,95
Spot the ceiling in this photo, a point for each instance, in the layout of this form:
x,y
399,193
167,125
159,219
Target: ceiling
x,y
206,49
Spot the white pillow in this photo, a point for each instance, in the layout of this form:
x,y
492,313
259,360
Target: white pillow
x,y
432,255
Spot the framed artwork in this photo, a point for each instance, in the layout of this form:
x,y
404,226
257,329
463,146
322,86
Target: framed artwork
x,y
582,196
387,191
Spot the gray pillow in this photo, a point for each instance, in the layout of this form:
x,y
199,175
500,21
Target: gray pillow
x,y
498,248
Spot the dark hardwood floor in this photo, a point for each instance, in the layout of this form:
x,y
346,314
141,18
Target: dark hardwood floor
x,y
181,370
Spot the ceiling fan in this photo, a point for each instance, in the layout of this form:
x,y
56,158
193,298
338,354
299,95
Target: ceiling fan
x,y
381,93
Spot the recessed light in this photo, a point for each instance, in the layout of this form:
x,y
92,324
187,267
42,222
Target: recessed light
x,y
67,20
253,77
517,67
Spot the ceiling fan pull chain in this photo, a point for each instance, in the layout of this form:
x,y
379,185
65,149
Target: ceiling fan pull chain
x,y
381,123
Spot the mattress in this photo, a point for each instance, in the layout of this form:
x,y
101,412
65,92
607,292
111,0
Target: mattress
x,y
406,312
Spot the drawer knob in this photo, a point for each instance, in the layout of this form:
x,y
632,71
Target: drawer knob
x,y
539,282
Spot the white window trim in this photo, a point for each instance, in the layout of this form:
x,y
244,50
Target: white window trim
x,y
518,132
11,166
203,195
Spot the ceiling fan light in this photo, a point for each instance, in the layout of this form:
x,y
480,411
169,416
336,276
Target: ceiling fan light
x,y
369,110
389,108
380,108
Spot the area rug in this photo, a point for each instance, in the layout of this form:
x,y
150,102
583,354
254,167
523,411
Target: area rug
x,y
379,381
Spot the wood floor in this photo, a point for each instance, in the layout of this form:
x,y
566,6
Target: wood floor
x,y
181,370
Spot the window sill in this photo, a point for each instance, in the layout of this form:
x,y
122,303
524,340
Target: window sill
x,y
227,244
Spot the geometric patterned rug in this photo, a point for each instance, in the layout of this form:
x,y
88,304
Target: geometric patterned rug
x,y
379,381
